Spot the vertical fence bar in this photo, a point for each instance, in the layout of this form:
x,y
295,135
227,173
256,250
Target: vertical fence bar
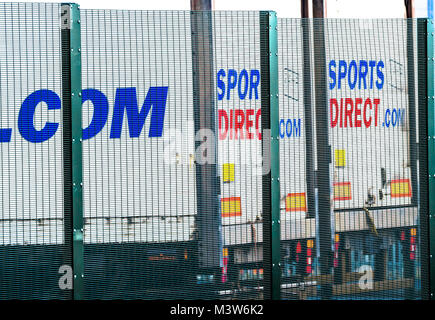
x,y
424,41
411,103
72,136
325,212
274,159
409,269
269,123
308,123
76,119
431,151
208,218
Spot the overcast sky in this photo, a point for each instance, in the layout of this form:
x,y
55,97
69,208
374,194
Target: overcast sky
x,y
284,8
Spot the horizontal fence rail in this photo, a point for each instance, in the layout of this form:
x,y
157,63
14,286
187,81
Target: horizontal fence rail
x,y
213,155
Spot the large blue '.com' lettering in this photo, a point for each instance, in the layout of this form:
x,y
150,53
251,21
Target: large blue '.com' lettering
x,y
27,111
125,99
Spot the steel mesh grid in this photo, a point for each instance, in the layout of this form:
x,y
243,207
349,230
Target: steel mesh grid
x,y
298,227
141,49
32,215
400,277
391,249
237,44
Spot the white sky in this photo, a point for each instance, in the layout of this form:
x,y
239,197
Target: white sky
x,y
284,8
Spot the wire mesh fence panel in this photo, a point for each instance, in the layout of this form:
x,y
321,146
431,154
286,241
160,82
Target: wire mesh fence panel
x,y
139,207
371,96
181,165
237,44
373,129
156,88
33,219
297,154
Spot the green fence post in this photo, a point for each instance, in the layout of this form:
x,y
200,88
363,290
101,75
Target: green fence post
x,y
270,121
431,150
72,132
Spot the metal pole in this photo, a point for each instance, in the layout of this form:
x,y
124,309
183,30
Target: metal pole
x,y
201,5
411,97
270,180
409,5
323,147
409,271
305,9
208,217
72,139
319,8
430,125
308,123
426,134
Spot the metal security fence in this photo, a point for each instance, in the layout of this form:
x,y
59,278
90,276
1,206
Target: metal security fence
x,y
297,155
373,222
34,221
142,224
177,203
213,155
